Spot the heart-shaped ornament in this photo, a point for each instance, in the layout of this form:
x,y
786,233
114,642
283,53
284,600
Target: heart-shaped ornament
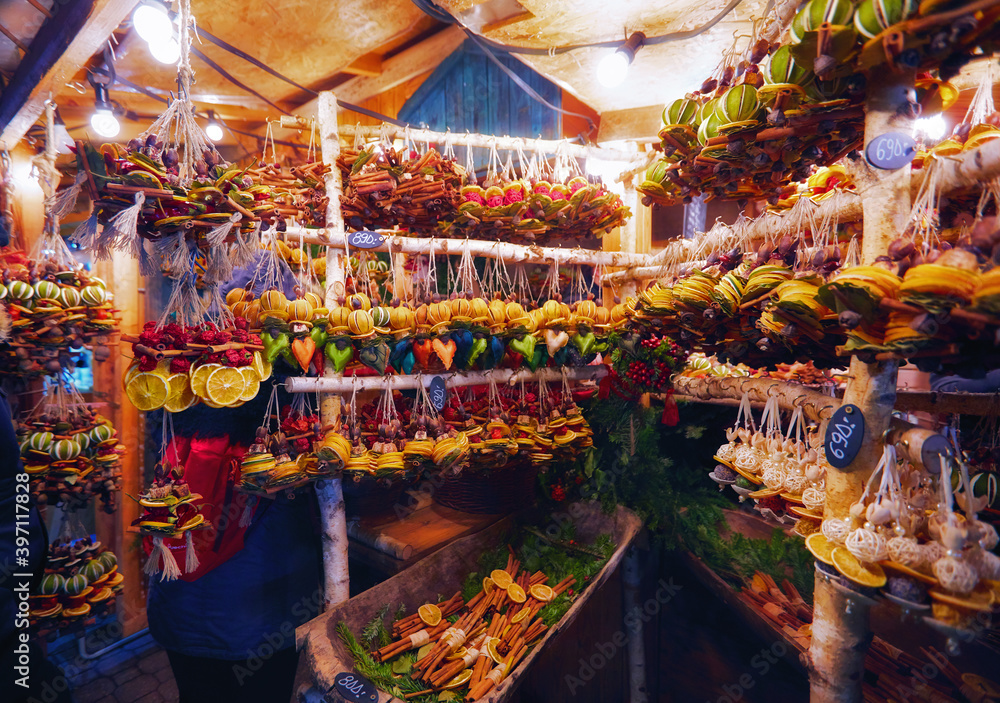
x,y
302,349
555,340
340,354
463,347
584,343
422,350
399,351
525,346
376,357
445,350
479,345
408,362
538,358
274,345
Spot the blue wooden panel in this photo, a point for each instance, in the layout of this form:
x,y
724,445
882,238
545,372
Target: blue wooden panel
x,y
468,92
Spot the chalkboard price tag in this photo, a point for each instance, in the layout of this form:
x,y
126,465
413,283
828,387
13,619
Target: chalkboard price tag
x,y
891,151
438,393
364,239
844,434
355,688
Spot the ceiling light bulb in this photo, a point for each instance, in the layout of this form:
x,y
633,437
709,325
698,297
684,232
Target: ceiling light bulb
x,y
932,128
152,22
165,51
213,131
612,69
105,123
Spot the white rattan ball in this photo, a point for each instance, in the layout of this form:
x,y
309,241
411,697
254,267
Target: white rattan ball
x,y
866,545
814,498
795,482
905,550
835,530
726,452
955,575
932,551
772,474
747,459
987,535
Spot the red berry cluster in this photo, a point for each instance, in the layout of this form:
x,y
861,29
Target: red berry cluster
x,y
558,493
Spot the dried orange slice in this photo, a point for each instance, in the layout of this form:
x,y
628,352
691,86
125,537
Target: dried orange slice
x,y
430,614
542,592
460,680
863,574
147,391
225,386
520,615
261,365
516,593
491,649
199,376
488,585
501,578
181,396
129,374
251,381
820,547
457,654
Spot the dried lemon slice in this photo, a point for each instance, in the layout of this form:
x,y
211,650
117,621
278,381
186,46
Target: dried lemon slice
x,y
820,547
520,615
516,593
130,373
542,592
225,386
251,381
147,391
460,680
867,574
430,614
501,578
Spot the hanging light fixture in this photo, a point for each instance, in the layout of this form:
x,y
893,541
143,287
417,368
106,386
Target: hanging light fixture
x,y
213,130
152,22
103,120
613,67
166,50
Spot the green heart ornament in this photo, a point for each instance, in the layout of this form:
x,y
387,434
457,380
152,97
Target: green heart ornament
x,y
478,347
273,346
525,346
339,355
584,343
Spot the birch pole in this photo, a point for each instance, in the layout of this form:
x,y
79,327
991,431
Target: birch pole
x,y
336,581
841,632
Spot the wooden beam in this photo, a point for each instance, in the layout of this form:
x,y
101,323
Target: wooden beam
x,y
367,65
61,47
13,37
402,67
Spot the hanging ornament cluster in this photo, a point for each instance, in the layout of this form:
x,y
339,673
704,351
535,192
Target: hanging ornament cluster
x,y
169,513
781,472
286,458
81,579
544,204
907,536
385,187
297,192
56,308
71,452
177,366
644,364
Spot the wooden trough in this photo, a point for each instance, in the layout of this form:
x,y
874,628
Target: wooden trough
x,y
323,655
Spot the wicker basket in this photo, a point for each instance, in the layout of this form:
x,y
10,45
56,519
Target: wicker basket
x,y
493,491
371,496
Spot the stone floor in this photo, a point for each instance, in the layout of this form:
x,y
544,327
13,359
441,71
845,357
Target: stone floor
x,y
137,672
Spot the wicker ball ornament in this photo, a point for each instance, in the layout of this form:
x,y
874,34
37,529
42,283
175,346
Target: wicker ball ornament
x,y
955,574
866,545
836,530
814,498
906,551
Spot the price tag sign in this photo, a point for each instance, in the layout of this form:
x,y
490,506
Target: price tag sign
x,y
364,239
437,392
844,434
355,688
891,151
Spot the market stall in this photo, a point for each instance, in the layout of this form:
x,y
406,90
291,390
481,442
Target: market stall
x,y
444,337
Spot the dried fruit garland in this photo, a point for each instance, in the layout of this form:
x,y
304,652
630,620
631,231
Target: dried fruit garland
x,y
81,579
54,312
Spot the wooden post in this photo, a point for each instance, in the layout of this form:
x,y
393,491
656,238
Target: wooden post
x,y
841,633
336,580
